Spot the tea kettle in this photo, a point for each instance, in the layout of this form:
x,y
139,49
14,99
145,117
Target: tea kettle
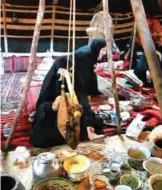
x,y
45,165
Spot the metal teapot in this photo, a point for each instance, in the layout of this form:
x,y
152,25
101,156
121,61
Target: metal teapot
x,y
45,165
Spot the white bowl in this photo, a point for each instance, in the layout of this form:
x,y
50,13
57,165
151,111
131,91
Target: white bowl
x,y
137,163
153,159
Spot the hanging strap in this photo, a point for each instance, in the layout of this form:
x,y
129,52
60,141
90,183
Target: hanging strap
x,y
69,34
73,54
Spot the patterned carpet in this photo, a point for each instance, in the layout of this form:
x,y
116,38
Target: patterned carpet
x,y
11,89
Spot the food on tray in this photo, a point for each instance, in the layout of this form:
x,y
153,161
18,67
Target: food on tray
x,y
157,185
76,164
95,156
130,180
136,154
100,182
65,154
55,183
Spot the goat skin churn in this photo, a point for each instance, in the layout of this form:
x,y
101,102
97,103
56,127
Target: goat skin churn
x,y
68,119
9,182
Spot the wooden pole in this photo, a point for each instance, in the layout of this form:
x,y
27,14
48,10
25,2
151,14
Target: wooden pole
x,y
53,24
149,48
30,71
5,27
133,44
108,38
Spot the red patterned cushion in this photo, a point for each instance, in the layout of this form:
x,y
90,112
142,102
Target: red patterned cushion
x,y
8,62
18,64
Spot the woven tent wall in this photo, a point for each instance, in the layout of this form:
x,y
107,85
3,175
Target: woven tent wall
x,y
20,21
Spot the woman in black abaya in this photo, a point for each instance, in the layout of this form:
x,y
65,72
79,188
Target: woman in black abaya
x,y
45,132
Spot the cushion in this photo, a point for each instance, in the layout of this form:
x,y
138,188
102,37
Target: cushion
x,y
18,64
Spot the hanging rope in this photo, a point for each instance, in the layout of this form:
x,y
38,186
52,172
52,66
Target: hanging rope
x,y
69,34
73,54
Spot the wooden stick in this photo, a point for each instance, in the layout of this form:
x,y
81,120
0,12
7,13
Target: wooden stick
x,y
5,27
133,44
149,48
30,71
108,39
52,27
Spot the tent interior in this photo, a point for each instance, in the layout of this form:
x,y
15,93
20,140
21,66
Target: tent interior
x,y
21,23
127,109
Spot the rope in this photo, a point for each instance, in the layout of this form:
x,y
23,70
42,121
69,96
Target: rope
x,y
73,53
69,33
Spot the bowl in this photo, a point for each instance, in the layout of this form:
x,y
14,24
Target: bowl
x,y
55,183
154,137
136,155
156,150
153,165
77,167
154,178
130,180
123,187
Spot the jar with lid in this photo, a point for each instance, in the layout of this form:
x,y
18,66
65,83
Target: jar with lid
x,y
22,156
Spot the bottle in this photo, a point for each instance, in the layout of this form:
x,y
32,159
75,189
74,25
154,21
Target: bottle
x,y
6,130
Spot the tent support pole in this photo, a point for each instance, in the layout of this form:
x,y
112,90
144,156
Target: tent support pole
x,y
108,39
30,71
133,44
149,48
5,27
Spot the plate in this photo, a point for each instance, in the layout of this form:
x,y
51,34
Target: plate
x,y
111,124
55,183
105,107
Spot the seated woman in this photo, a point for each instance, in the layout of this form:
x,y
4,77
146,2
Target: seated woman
x,y
142,70
45,132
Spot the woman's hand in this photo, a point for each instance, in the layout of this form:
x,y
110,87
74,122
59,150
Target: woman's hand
x,y
92,135
102,53
148,76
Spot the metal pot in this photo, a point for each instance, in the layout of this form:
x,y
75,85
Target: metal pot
x,y
9,182
45,165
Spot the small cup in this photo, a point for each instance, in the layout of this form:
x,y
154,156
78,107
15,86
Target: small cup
x,y
100,182
153,179
135,162
125,176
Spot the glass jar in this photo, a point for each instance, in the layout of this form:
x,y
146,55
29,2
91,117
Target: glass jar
x,y
22,156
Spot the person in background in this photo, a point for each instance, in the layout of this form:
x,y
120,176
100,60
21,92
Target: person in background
x,y
140,65
45,132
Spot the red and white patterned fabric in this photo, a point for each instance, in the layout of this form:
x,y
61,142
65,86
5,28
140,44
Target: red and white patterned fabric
x,y
32,98
18,64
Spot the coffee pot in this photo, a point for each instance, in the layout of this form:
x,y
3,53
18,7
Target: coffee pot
x,y
45,165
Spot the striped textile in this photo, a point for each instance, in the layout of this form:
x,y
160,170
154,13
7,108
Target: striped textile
x,y
18,64
32,98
